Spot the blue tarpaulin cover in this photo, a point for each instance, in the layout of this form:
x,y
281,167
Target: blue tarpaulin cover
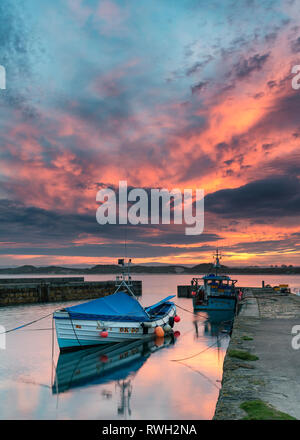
x,y
148,309
116,307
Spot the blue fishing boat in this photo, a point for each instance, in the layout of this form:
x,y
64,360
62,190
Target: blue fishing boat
x,y
114,318
214,291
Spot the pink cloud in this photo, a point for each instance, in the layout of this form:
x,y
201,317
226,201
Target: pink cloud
x,y
112,17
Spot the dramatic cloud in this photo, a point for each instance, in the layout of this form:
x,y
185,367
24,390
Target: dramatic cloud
x,y
295,45
246,66
193,95
268,198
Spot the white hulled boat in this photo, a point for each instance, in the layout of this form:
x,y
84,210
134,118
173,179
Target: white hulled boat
x,y
114,318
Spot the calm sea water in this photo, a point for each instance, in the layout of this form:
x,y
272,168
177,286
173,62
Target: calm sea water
x,y
174,380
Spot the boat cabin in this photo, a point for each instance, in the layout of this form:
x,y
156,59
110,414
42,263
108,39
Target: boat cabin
x,y
219,284
215,285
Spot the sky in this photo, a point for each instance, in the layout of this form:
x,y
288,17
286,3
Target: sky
x,y
163,94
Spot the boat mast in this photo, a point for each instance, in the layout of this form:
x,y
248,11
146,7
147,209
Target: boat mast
x,y
217,263
126,390
124,280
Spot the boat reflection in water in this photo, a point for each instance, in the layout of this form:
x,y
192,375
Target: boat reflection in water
x,y
108,363
217,323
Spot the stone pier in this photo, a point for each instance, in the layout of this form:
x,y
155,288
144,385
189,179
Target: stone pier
x,y
35,290
261,366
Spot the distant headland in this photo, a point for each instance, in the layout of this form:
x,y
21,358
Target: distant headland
x,y
140,269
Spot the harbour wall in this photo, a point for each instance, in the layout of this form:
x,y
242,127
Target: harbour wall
x,y
261,366
38,290
184,291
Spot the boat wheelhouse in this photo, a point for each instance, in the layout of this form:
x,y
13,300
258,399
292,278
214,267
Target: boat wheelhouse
x,y
214,291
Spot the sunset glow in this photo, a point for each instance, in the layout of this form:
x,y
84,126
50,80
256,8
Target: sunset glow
x,y
181,96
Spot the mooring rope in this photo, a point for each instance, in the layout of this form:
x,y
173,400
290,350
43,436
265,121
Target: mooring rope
x,y
200,314
37,329
200,352
27,324
74,329
189,311
201,374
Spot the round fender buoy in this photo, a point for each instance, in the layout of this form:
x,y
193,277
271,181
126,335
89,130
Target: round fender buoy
x,y
177,318
104,358
194,293
159,341
104,334
167,328
176,334
159,332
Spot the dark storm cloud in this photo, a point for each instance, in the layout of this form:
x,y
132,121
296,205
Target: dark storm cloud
x,y
246,66
288,165
222,147
267,246
23,224
283,115
267,147
200,166
98,112
106,250
269,198
295,45
271,37
199,65
199,87
271,84
235,146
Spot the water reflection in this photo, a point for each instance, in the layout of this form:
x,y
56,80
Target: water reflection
x,y
125,393
117,363
192,366
218,324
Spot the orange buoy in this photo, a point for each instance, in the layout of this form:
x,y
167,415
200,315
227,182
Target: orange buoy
x,y
159,332
159,341
104,358
104,334
177,318
193,293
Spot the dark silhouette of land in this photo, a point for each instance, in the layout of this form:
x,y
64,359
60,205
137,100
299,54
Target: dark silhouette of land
x,y
171,269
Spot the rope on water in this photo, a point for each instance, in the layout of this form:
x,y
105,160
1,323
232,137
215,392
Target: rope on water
x,y
37,329
200,314
200,352
189,311
27,324
201,374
